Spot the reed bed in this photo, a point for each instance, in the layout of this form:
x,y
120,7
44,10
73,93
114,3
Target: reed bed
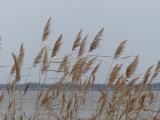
x,y
79,70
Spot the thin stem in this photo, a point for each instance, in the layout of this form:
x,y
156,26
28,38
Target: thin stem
x,y
109,71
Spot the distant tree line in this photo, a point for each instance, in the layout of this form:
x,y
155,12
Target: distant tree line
x,y
98,86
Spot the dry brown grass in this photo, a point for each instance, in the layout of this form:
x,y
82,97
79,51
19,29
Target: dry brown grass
x,y
79,72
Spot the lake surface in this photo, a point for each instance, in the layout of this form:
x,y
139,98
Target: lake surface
x,y
29,100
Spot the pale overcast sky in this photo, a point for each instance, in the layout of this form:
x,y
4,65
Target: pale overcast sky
x,y
138,21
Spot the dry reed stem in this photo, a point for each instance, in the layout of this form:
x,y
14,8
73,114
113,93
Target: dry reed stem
x,y
142,99
64,64
18,76
77,65
103,104
152,98
7,88
138,88
1,97
82,47
77,40
45,63
132,67
62,79
46,30
21,56
129,87
63,99
13,86
78,71
45,100
58,90
10,105
87,86
57,46
120,49
51,88
89,64
156,72
69,104
38,58
146,77
94,71
19,60
127,109
131,84
120,87
119,79
148,71
114,75
93,80
95,42
39,95
26,88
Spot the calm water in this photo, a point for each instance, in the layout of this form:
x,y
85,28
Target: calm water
x,y
29,100
29,104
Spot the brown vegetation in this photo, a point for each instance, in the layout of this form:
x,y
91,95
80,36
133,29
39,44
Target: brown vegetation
x,y
120,104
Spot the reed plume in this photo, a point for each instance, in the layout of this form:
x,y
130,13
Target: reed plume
x,y
95,42
63,64
114,74
45,62
39,57
82,47
19,60
130,86
146,77
76,66
148,71
21,56
78,69
18,76
57,46
156,71
132,67
46,30
77,40
120,49
95,69
89,64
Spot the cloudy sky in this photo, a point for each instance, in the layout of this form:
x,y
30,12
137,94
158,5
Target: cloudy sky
x,y
137,21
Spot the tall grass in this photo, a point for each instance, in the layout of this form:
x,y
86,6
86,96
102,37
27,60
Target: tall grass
x,y
79,72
